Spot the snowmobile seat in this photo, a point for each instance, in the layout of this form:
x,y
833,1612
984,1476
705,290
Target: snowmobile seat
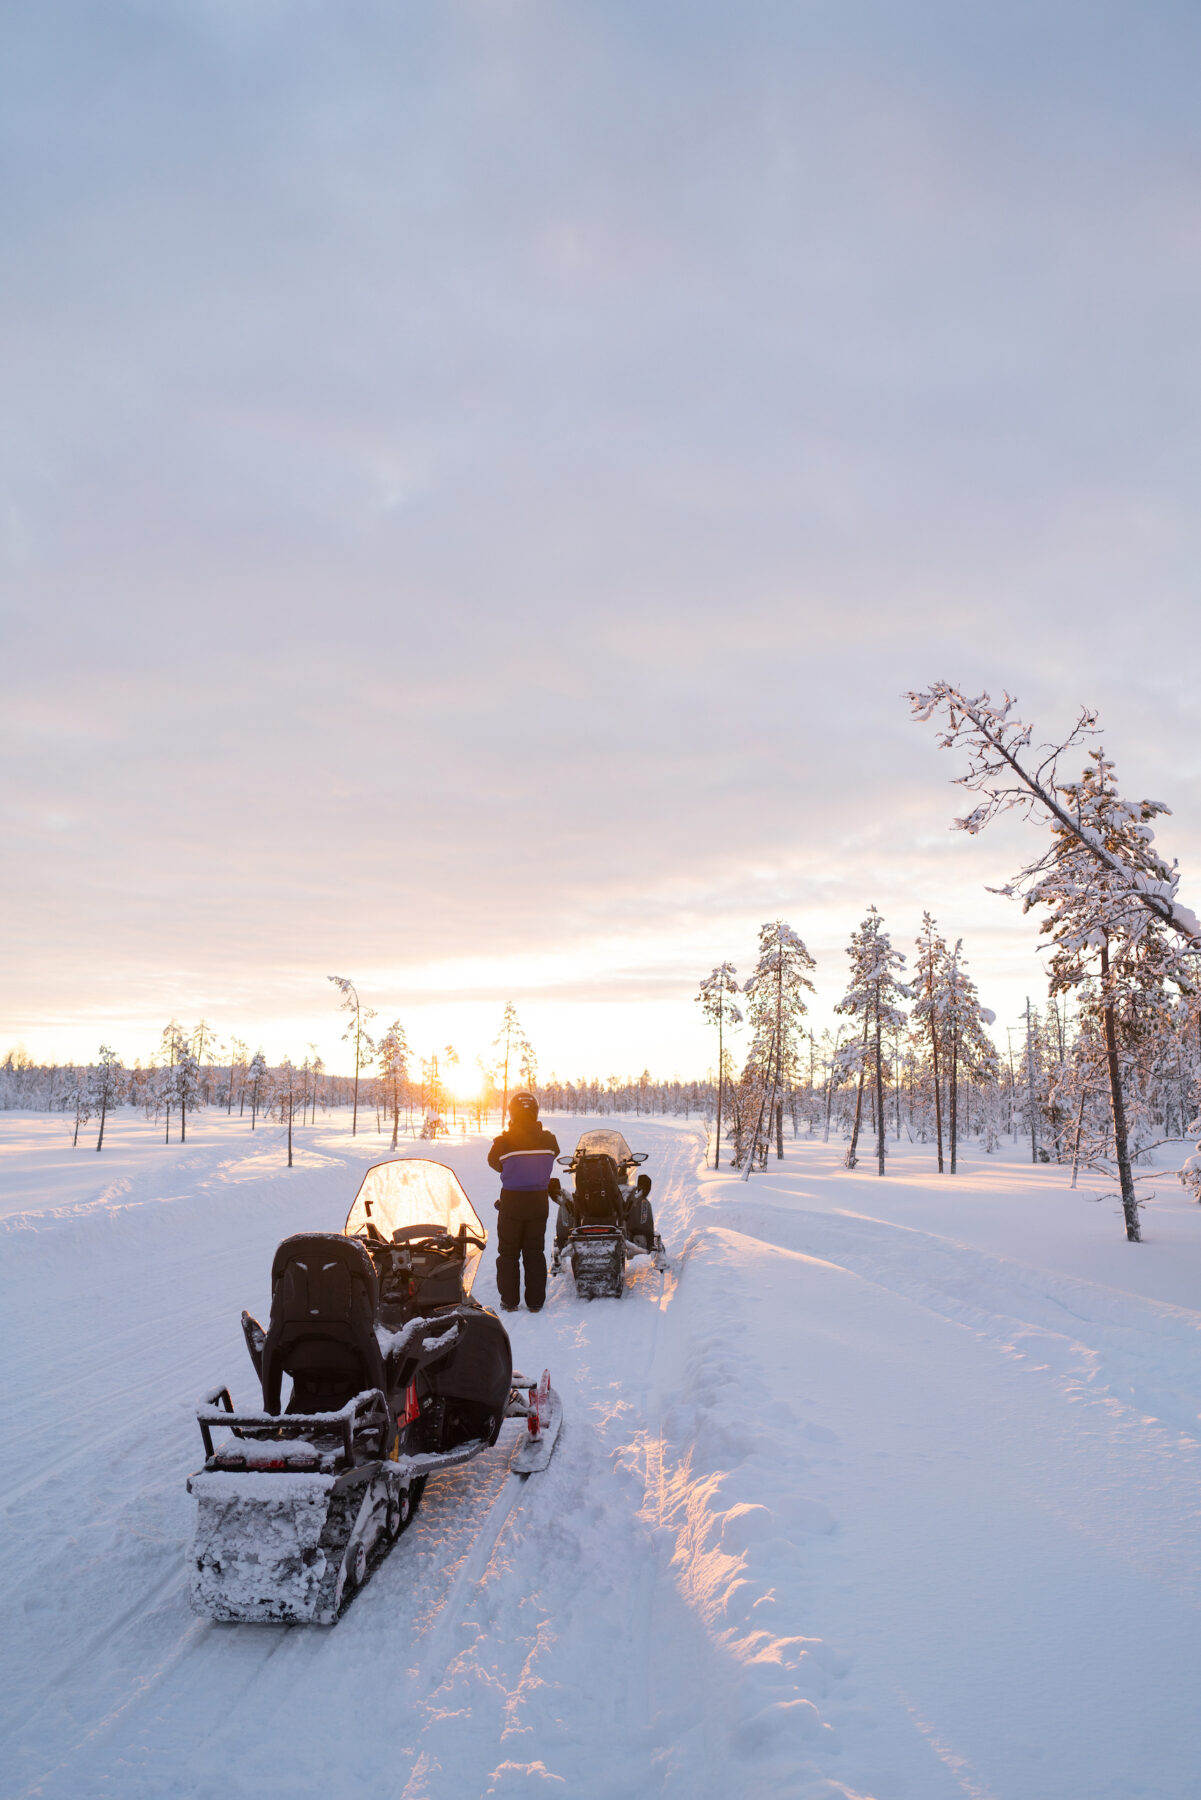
x,y
324,1298
598,1195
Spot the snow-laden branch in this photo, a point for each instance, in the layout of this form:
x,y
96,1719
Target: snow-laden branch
x,y
995,740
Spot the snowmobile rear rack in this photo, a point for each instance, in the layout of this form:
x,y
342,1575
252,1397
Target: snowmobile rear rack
x,y
265,1435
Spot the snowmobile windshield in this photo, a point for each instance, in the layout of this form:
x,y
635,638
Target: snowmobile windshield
x,y
605,1143
397,1198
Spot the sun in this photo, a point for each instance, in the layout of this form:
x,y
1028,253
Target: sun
x,y
466,1083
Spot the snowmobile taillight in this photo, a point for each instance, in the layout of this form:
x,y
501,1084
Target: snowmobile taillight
x,y
412,1411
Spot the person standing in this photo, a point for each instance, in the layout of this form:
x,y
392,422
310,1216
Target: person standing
x,y
524,1158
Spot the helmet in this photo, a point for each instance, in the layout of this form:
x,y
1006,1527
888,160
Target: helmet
x,y
523,1107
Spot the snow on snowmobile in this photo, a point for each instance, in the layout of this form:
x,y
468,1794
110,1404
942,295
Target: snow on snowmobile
x,y
605,1216
396,1372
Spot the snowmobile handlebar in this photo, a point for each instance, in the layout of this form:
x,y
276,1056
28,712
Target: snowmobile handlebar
x,y
635,1156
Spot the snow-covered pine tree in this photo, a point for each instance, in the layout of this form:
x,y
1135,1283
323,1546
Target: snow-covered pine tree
x,y
832,1057
238,1054
971,1050
1082,1082
356,1034
872,998
719,1009
1000,769
256,1076
318,1065
82,1100
186,1085
929,995
1111,896
204,1044
394,1056
1100,927
776,996
285,1097
108,1087
509,1045
170,1045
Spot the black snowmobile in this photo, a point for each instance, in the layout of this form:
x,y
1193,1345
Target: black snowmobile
x,y
395,1372
605,1216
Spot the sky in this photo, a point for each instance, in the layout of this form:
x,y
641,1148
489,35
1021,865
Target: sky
x,y
477,480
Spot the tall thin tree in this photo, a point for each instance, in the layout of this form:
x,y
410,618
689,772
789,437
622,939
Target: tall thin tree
x,y
719,1009
356,1034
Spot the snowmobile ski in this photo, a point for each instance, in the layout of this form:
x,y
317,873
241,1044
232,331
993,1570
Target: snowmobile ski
x,y
544,1416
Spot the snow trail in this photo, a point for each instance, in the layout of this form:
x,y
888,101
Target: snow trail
x,y
875,1493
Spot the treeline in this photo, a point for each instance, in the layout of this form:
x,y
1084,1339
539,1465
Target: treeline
x,y
936,1081
1106,1069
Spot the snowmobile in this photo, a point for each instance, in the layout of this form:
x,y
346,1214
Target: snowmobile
x,y
606,1216
396,1372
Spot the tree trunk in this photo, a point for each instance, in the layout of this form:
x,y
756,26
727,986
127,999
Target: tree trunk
x,y
753,1148
289,1127
103,1115
954,1120
1030,1087
1076,1145
881,1122
854,1144
721,1070
395,1116
1120,1142
937,1089
830,1086
780,1131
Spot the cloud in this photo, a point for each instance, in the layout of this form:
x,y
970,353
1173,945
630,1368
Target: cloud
x,y
477,481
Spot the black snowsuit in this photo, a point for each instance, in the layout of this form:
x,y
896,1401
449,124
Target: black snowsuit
x,y
523,1207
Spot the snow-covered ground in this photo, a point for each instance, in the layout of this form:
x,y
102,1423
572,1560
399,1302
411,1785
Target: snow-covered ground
x,y
891,1489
